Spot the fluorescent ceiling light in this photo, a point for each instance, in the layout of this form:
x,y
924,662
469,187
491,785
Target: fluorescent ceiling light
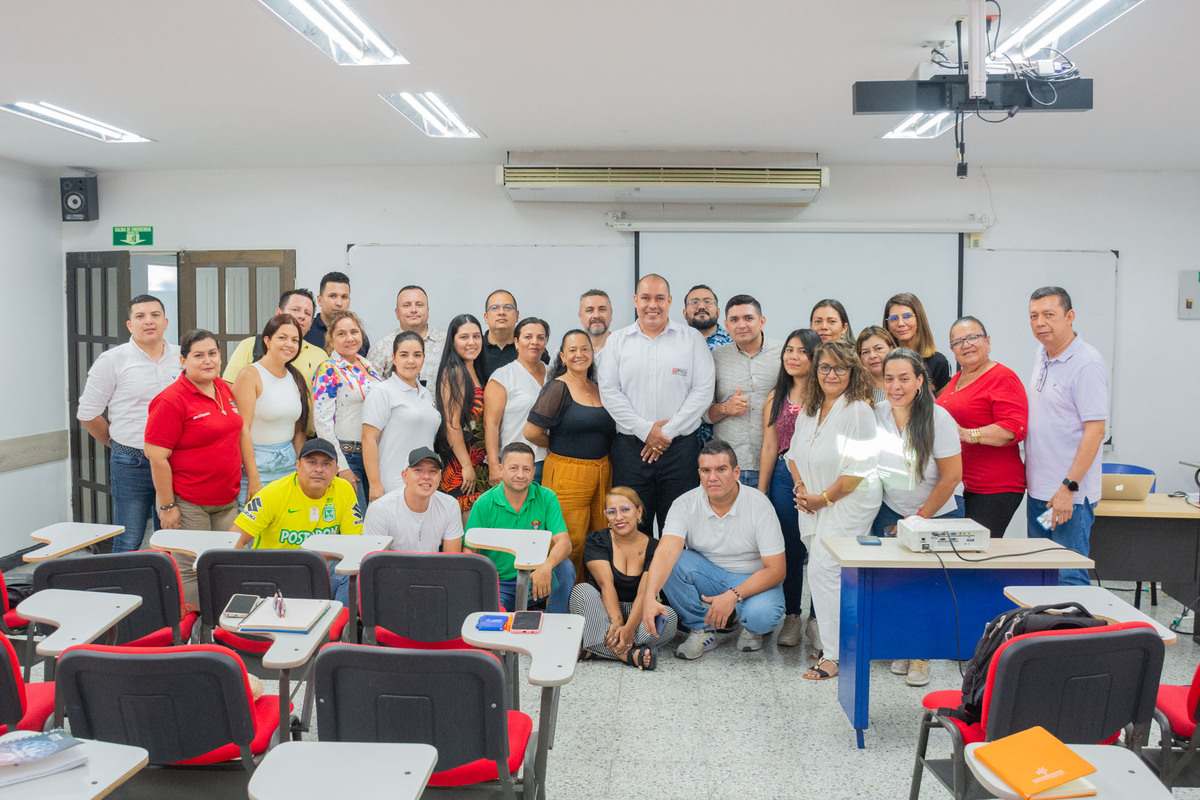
x,y
1062,25
922,126
337,30
50,114
431,114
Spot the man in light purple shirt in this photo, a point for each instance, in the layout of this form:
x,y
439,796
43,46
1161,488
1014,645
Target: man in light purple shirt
x,y
1068,406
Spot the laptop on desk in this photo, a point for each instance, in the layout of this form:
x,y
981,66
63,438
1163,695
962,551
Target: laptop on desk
x,y
1115,486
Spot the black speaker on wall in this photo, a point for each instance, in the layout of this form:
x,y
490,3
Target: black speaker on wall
x,y
80,199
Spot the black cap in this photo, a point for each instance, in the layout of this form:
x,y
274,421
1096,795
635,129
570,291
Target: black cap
x,y
424,454
318,446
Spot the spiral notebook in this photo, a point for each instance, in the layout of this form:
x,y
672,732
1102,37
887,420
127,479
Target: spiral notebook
x,y
298,617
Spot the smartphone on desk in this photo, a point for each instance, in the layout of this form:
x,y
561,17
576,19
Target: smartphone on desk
x,y
869,540
240,605
526,622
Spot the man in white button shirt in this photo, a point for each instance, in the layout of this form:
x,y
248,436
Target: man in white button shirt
x,y
656,380
412,312
734,559
124,380
418,517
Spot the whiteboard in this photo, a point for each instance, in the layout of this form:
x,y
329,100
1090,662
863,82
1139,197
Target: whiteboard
x,y
546,279
788,272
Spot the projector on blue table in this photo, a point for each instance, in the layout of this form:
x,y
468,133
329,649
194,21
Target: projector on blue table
x,y
942,535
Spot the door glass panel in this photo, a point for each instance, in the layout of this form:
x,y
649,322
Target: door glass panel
x,y
85,496
85,462
97,293
101,469
81,301
207,299
237,300
81,356
266,287
115,315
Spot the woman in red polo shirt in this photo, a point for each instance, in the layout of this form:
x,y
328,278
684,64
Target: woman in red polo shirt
x,y
194,445
988,402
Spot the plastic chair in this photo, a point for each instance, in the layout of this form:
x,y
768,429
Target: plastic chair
x,y
454,700
26,706
1084,686
1176,712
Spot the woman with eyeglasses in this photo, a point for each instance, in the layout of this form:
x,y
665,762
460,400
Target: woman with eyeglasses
x,y
611,599
904,317
835,455
873,345
830,321
780,409
989,404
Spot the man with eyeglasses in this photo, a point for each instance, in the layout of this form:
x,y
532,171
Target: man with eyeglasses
x,y
656,379
1068,408
701,311
501,314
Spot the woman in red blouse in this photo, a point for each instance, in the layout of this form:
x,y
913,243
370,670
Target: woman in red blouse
x,y
988,402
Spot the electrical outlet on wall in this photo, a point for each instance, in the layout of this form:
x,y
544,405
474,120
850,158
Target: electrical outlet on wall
x,y
1189,294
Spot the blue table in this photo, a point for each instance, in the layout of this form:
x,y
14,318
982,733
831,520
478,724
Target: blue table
x,y
896,604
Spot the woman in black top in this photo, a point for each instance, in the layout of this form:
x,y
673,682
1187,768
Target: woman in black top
x,y
569,419
905,319
611,601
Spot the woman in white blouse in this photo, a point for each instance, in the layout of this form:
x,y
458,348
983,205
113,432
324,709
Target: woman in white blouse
x,y
834,455
920,461
339,388
398,417
510,393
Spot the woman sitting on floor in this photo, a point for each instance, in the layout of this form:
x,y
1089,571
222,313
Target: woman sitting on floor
x,y
611,600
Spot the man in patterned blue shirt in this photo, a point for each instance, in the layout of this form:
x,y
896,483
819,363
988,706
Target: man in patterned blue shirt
x,y
700,310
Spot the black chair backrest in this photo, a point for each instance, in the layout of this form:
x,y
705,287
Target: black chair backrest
x,y
1082,686
426,596
147,574
220,574
11,708
177,703
451,699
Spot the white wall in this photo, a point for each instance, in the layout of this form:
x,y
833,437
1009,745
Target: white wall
x,y
34,396
1147,216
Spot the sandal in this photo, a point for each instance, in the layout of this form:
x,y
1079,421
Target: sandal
x,y
815,673
636,657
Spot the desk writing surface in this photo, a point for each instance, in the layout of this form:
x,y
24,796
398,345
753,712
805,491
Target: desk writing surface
x,y
1098,600
1119,774
61,538
108,766
192,543
553,650
889,554
528,547
1159,505
81,616
322,769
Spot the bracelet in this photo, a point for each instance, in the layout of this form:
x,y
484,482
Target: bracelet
x,y
168,506
974,435
825,495
736,594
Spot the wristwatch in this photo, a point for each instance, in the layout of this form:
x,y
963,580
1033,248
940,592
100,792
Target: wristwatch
x,y
167,507
1070,484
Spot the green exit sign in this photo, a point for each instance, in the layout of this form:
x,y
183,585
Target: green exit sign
x,y
133,235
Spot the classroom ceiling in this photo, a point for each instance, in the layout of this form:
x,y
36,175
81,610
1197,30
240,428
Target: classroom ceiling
x,y
223,83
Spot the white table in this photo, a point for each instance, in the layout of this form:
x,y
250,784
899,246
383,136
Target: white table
x,y
1120,773
108,766
350,550
529,548
80,617
552,652
1101,602
321,769
192,543
67,537
289,651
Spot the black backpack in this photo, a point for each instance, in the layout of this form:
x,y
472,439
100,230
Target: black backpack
x,y
1000,630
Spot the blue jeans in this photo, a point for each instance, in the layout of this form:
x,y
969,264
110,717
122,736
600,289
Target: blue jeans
x,y
1074,534
694,576
886,518
274,461
562,580
339,585
780,494
132,496
749,477
362,488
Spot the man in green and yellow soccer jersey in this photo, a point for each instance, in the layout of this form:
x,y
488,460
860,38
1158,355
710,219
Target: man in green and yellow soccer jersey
x,y
310,501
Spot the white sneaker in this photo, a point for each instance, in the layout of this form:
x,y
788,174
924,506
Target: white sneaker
x,y
749,642
792,631
696,644
900,666
918,672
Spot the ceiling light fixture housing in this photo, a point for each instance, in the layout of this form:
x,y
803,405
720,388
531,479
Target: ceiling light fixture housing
x,y
922,126
432,115
338,31
1061,25
50,114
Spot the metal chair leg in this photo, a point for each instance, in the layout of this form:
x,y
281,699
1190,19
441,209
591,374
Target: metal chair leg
x,y
914,791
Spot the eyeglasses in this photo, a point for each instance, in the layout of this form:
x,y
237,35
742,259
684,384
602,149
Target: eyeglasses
x,y
970,338
906,316
280,606
827,369
1041,380
612,512
501,307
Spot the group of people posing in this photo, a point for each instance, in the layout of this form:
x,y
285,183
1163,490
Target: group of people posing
x,y
695,463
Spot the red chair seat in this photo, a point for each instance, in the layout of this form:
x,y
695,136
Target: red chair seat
x,y
14,620
386,638
163,637
39,705
952,698
266,721
483,770
1173,702
255,645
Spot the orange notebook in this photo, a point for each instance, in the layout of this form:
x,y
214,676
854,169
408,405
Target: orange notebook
x,y
1037,765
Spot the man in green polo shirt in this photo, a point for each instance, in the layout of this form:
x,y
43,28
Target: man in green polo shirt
x,y
517,503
